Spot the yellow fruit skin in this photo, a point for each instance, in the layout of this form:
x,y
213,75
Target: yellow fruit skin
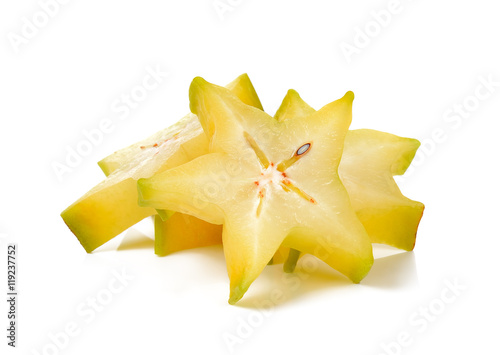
x,y
182,231
243,88
94,220
403,222
108,167
280,256
111,207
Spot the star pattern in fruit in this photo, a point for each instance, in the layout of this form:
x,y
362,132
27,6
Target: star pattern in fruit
x,y
269,183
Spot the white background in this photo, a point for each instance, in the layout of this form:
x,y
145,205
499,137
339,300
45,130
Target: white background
x,y
427,59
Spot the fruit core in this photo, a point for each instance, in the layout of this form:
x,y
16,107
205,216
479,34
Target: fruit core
x,y
272,173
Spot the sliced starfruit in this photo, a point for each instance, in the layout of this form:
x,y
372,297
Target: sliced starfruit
x,y
242,87
182,231
270,183
370,160
111,207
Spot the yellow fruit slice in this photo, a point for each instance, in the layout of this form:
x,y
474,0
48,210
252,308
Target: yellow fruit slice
x,y
176,231
270,183
111,207
182,231
369,162
242,87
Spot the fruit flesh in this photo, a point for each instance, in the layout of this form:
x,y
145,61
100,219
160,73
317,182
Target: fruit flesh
x,y
242,87
240,185
369,161
182,231
111,207
387,215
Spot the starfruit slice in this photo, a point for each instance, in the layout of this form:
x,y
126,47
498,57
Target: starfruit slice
x,y
270,183
370,160
111,207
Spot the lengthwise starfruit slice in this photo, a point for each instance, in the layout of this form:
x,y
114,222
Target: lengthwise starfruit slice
x,y
111,207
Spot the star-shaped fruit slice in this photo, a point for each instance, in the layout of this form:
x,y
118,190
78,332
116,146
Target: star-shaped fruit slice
x,y
370,160
111,207
269,183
